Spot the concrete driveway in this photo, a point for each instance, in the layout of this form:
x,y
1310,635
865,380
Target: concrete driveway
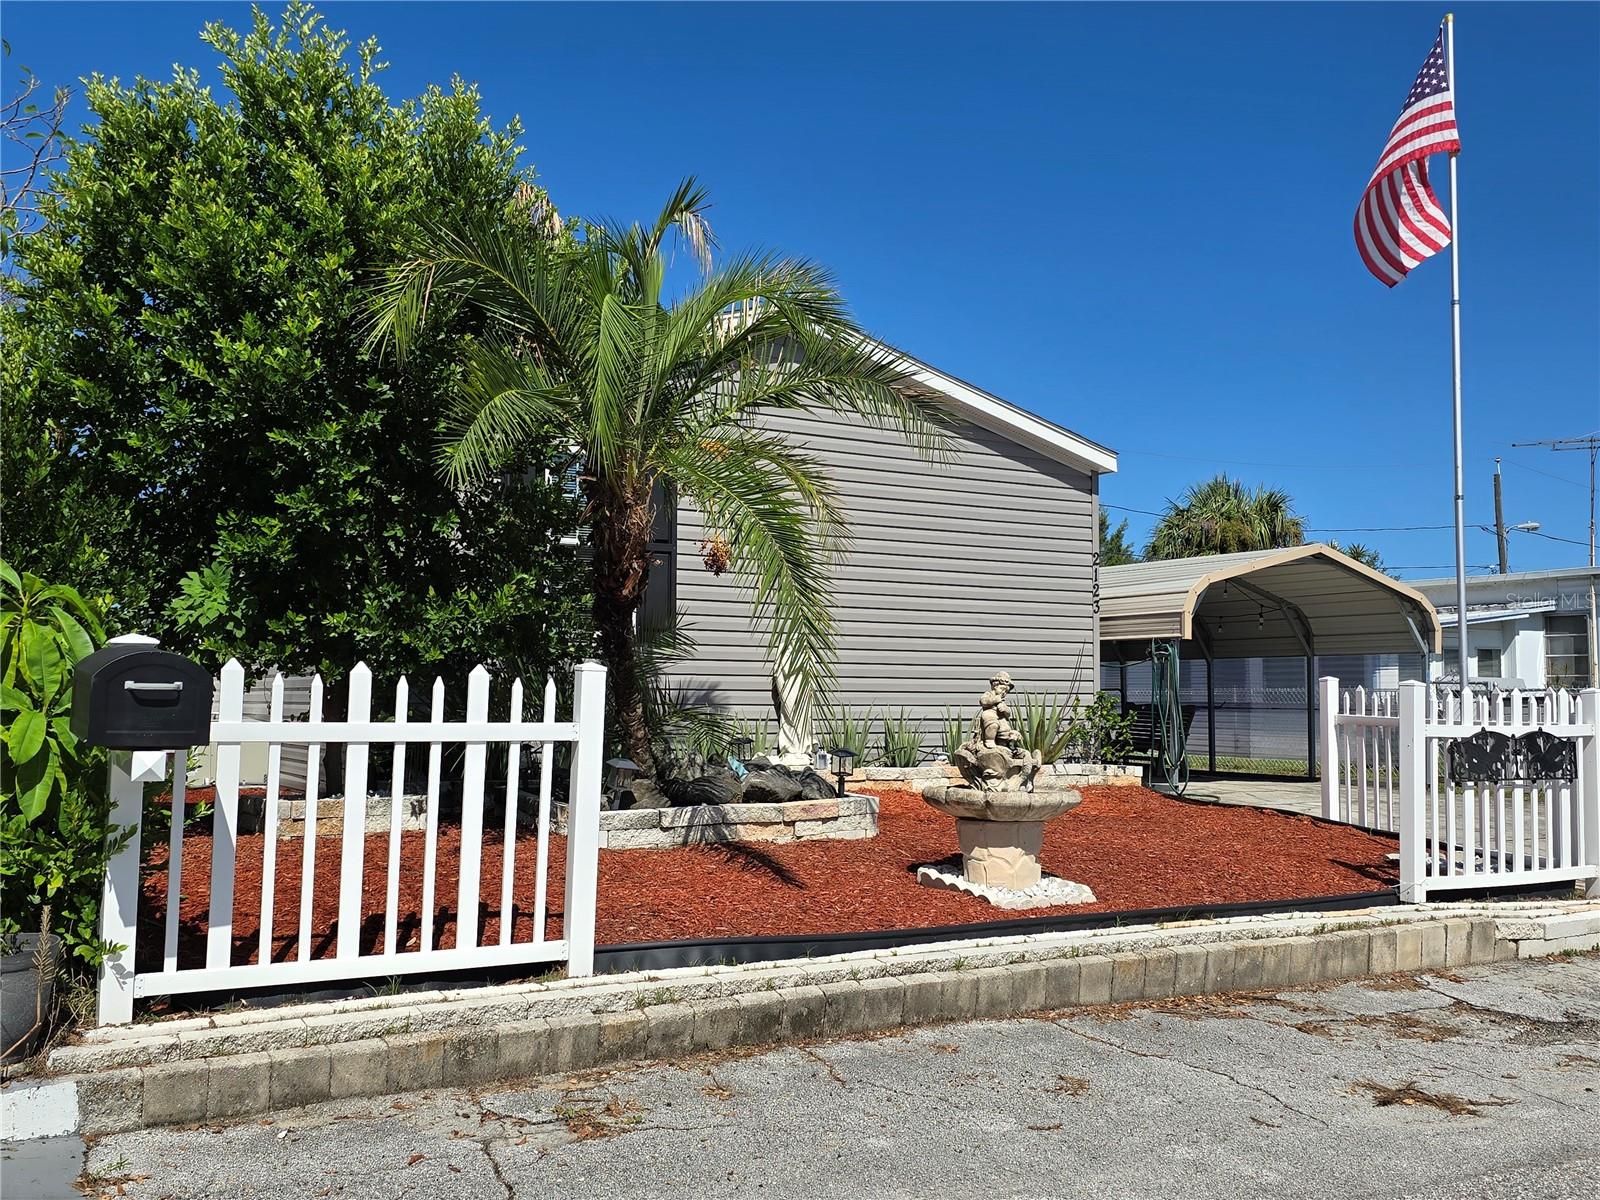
x,y
1296,795
1481,1083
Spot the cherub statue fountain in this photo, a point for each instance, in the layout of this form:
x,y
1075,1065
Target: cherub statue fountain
x,y
1000,813
993,759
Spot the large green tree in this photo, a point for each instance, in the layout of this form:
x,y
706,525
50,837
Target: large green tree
x,y
197,425
1223,516
664,395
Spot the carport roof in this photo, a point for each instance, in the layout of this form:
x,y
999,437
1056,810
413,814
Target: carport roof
x,y
1267,603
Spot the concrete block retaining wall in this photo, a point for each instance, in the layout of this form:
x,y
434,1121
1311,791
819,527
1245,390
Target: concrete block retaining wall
x,y
847,817
293,810
1084,774
244,1064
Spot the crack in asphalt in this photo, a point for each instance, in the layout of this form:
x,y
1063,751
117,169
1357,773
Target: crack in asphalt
x,y
1233,1079
1546,1030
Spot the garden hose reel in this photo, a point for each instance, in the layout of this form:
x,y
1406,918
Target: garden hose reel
x,y
1169,751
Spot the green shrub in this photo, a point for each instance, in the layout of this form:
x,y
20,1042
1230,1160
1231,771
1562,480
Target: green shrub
x,y
1100,731
901,740
1043,722
54,812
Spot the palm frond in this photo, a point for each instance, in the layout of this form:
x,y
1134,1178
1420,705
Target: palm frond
x,y
511,276
506,399
749,497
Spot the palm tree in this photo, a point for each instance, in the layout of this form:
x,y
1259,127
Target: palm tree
x,y
1222,516
577,342
1362,553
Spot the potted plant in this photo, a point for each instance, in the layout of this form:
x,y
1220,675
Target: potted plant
x,y
54,813
29,963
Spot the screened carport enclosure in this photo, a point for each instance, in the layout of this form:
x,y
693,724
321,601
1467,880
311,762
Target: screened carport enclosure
x,y
1217,656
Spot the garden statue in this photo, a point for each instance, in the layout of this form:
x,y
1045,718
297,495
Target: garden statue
x,y
993,758
1000,818
796,744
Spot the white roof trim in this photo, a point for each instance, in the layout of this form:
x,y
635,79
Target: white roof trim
x,y
995,414
1447,617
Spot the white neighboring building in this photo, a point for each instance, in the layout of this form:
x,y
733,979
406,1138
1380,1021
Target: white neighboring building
x,y
1528,628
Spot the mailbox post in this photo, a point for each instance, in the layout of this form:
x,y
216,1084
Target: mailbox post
x,y
140,702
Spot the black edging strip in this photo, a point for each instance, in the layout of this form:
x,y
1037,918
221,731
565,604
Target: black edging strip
x,y
701,952
658,956
704,952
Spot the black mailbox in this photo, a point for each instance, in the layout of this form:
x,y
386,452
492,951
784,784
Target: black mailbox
x,y
133,696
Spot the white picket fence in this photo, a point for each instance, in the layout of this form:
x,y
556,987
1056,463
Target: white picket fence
x,y
1384,767
121,984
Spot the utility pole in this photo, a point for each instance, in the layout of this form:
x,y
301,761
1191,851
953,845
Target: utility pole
x,y
1499,519
1591,443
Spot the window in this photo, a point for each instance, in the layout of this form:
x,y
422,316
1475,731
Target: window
x,y
572,488
1489,662
1566,652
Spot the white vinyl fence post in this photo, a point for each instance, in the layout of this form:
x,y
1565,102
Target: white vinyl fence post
x,y
1327,745
225,823
1589,786
353,847
583,816
119,901
1414,786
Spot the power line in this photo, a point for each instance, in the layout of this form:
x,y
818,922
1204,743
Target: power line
x,y
1143,512
1297,466
1547,474
1372,528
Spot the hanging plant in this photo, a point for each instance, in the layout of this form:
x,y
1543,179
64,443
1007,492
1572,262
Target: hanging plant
x,y
716,553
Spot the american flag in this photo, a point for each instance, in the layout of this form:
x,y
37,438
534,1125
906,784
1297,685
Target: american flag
x,y
1399,222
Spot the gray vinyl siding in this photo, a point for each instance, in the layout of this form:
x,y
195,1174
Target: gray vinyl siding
x,y
956,570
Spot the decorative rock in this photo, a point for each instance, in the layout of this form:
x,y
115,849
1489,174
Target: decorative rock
x,y
719,787
814,786
643,793
775,785
1046,891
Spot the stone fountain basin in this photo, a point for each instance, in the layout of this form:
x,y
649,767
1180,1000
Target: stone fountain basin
x,y
974,804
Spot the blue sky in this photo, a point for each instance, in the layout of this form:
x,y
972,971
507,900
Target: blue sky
x,y
1132,219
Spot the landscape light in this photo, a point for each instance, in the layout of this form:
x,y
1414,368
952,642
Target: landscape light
x,y
843,757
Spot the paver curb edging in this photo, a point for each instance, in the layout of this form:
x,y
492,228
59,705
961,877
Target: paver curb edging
x,y
222,1079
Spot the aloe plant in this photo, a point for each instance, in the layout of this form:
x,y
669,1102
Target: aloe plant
x,y
955,732
851,733
1045,723
901,740
758,730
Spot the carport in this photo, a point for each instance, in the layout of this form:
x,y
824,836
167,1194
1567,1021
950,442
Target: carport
x,y
1299,602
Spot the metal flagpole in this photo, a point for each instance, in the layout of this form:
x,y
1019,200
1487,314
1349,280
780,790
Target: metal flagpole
x,y
1455,368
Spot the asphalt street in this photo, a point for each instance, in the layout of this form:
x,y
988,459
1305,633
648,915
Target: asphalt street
x,y
1478,1083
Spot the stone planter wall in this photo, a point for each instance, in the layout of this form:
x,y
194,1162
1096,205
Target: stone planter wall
x,y
847,818
1084,774
330,814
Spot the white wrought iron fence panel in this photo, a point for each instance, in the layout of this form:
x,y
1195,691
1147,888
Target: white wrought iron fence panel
x,y
121,983
1385,765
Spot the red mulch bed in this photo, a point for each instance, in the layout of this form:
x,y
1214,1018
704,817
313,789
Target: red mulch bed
x,y
1136,849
